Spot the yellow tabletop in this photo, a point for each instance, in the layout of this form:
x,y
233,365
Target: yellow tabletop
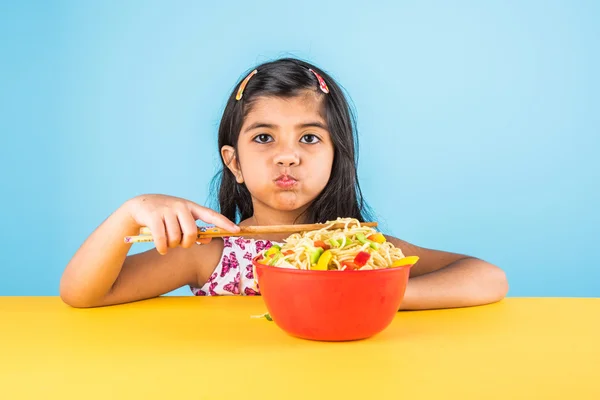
x,y
210,348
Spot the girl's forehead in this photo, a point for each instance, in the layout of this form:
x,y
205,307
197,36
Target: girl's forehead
x,y
286,110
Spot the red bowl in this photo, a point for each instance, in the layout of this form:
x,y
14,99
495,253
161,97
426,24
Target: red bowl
x,y
332,305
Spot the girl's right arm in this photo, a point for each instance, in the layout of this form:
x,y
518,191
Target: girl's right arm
x,y
100,273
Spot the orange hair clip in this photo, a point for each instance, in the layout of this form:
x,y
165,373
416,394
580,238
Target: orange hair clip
x,y
240,91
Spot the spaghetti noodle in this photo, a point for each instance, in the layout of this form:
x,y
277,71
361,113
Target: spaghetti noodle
x,y
353,247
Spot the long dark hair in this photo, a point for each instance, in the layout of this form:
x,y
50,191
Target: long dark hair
x,y
289,77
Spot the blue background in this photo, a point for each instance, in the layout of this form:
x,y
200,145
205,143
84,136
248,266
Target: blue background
x,y
479,121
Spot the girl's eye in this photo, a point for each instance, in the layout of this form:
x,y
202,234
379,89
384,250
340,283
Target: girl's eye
x,y
263,138
310,139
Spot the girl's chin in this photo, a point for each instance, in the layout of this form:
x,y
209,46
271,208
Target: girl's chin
x,y
289,201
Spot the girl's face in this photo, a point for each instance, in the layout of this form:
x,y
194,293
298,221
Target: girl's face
x,y
285,153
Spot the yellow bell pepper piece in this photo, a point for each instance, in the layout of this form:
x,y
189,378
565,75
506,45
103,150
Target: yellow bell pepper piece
x,y
411,260
271,251
324,261
377,238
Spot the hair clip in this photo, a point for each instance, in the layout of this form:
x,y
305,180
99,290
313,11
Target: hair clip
x,y
240,92
322,83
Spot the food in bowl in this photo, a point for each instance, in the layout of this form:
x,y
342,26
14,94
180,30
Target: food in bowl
x,y
333,285
352,248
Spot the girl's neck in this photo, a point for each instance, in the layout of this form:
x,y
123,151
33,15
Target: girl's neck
x,y
274,217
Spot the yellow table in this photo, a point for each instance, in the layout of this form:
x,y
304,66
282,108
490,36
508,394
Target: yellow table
x,y
210,348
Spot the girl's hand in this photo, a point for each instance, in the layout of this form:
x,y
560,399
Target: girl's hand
x,y
172,220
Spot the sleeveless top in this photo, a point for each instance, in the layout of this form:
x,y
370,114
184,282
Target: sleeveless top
x,y
234,275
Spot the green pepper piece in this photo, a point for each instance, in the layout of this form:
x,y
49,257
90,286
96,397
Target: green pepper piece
x,y
314,256
275,259
361,238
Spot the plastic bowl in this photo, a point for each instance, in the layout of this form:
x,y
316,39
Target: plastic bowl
x,y
332,305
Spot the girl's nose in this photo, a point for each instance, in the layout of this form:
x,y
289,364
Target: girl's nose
x,y
287,157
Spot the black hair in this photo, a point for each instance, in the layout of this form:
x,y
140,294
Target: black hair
x,y
289,77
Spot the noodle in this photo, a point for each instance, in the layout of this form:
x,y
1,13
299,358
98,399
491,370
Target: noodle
x,y
353,247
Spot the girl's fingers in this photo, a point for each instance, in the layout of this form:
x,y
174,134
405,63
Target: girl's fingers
x,y
189,228
173,223
212,217
173,229
159,235
203,241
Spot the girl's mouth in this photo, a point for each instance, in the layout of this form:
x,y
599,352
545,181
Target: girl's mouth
x,y
285,181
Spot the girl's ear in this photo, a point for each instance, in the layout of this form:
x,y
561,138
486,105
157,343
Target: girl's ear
x,y
230,159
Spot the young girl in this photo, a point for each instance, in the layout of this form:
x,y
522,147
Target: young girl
x,y
287,143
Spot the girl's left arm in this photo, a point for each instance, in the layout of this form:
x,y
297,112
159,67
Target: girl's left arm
x,y
446,280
